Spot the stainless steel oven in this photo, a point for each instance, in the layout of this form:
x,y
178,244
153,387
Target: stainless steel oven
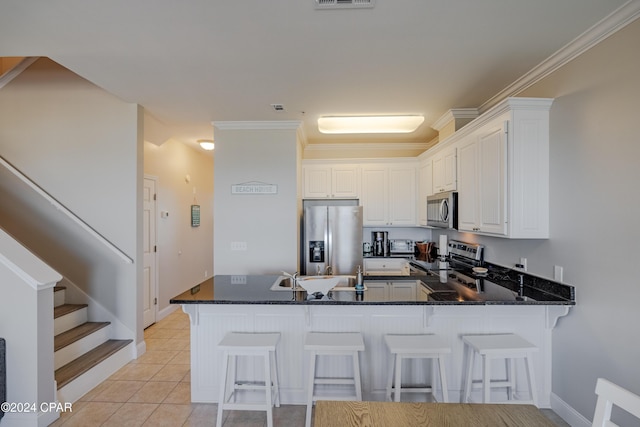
x,y
442,210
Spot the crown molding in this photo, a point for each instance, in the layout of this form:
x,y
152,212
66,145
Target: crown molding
x,y
455,113
258,125
618,19
367,146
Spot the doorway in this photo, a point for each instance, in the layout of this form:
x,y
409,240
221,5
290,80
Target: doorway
x,y
150,281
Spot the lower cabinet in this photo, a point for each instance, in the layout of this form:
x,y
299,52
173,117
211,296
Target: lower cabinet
x,y
400,290
386,267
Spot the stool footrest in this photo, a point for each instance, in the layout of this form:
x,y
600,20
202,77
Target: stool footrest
x,y
334,381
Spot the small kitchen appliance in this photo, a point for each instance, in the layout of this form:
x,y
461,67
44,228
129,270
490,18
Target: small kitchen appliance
x,y
442,210
380,243
401,246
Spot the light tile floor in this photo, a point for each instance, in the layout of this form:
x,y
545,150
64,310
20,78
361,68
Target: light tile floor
x,y
154,390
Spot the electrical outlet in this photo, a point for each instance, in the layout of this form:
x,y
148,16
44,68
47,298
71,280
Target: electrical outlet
x,y
557,273
238,246
206,274
522,265
238,280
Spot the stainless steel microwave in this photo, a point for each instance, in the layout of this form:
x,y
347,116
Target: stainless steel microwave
x,y
442,210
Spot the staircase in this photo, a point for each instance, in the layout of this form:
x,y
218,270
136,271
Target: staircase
x,y
84,353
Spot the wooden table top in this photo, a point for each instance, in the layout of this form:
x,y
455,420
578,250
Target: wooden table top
x,y
384,414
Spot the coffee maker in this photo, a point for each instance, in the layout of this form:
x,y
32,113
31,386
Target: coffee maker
x,y
380,243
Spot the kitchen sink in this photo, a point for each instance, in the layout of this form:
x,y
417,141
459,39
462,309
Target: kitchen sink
x,y
346,283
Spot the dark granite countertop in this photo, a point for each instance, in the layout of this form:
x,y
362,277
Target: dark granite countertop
x,y
255,289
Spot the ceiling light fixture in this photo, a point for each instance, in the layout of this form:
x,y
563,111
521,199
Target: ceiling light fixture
x,y
207,144
369,124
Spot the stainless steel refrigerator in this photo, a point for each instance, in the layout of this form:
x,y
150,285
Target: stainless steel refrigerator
x,y
332,238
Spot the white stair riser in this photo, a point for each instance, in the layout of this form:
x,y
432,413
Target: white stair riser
x,y
59,298
69,321
94,376
78,348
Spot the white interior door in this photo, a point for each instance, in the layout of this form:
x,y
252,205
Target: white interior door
x,y
150,301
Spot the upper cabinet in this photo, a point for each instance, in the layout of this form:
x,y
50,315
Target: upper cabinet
x,y
339,181
503,171
425,188
389,194
444,170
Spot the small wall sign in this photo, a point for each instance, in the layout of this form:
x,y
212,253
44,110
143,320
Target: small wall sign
x,y
249,188
195,215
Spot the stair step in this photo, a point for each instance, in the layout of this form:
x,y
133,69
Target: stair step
x,y
82,364
72,335
66,309
59,295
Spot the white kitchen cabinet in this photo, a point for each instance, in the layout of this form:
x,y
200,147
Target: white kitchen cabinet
x,y
422,293
388,194
386,267
425,189
444,170
503,171
330,181
401,290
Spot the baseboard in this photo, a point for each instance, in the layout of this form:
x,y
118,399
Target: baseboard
x,y
141,348
567,413
166,311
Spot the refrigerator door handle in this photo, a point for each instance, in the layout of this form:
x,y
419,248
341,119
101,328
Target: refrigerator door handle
x,y
328,237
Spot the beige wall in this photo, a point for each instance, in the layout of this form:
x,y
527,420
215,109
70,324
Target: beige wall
x,y
267,223
185,253
83,146
595,206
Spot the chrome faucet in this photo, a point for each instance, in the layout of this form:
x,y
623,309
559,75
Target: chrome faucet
x,y
318,272
329,270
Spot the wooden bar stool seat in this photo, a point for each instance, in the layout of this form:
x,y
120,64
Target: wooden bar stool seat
x,y
404,347
332,344
263,345
509,347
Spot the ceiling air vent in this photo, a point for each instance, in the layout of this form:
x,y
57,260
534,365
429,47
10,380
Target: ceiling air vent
x,y
344,4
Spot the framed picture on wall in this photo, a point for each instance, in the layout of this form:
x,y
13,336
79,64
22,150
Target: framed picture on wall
x,y
195,215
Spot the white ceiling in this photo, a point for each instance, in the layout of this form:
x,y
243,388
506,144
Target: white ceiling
x,y
193,62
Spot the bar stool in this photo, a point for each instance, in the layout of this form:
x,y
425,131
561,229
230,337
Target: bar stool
x,y
416,347
263,345
332,344
499,346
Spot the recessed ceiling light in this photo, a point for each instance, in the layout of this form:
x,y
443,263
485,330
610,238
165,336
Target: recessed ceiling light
x,y
207,144
369,124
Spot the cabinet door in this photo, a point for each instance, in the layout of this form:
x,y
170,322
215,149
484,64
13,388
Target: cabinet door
x,y
450,177
402,291
376,291
344,181
317,182
374,195
402,196
492,181
425,189
444,170
468,185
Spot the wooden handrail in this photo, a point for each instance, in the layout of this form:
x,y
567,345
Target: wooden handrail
x,y
66,211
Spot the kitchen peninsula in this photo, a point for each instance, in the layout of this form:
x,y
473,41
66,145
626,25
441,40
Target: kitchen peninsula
x,y
249,304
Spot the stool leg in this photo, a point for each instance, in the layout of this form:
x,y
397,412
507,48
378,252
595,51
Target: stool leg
x,y
356,375
443,380
398,386
267,387
223,387
467,384
276,382
234,378
310,386
486,379
392,364
511,378
533,391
